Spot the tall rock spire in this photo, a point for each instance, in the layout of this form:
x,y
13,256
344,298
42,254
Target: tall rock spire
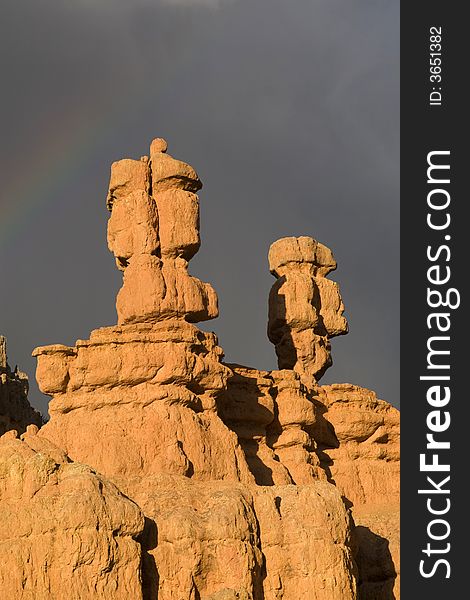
x,y
153,232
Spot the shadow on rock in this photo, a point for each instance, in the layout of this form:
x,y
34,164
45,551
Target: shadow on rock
x,y
375,564
150,577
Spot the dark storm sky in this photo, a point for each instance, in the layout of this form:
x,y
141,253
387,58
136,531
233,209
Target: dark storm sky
x,y
287,109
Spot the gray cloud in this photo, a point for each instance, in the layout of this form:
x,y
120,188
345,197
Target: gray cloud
x,y
289,111
206,3
95,5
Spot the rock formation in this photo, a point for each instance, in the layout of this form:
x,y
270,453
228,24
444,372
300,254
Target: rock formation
x,y
65,531
366,469
305,308
15,411
208,480
153,232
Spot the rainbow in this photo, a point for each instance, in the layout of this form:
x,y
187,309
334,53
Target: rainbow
x,y
53,162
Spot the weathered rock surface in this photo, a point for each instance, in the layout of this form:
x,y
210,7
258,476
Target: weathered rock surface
x,y
65,531
305,535
366,464
153,232
147,394
213,481
305,308
275,417
202,539
366,469
15,410
220,539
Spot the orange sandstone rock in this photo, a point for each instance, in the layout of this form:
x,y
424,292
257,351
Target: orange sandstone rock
x,y
305,534
147,394
153,232
65,531
305,308
366,469
366,464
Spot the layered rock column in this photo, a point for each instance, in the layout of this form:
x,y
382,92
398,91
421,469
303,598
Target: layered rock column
x,y
305,308
153,232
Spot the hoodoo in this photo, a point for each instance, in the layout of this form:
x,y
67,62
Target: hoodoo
x,y
165,473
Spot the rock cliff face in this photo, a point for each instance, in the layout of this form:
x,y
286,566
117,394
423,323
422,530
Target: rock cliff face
x,y
205,480
65,531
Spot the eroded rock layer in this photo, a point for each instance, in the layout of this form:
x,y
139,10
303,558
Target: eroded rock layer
x,y
153,232
366,469
305,308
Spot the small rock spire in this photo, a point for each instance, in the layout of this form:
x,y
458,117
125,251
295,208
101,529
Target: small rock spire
x,y
305,308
